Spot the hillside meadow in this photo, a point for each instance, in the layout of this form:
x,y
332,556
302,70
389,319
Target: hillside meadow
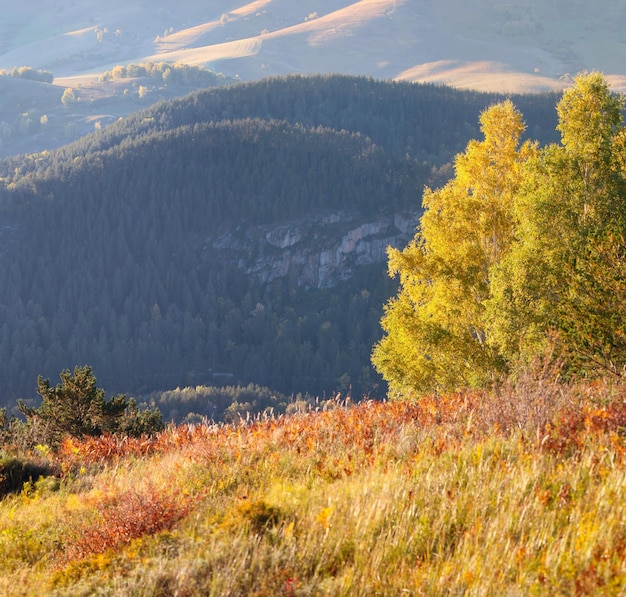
x,y
516,491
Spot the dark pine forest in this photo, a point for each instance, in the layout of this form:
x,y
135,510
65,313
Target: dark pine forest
x,y
106,244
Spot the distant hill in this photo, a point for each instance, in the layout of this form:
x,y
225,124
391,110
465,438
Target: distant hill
x,y
482,43
485,45
236,235
37,116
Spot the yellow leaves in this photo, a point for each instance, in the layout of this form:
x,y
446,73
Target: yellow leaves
x,y
502,124
512,248
324,516
587,530
43,450
588,114
436,327
288,531
74,502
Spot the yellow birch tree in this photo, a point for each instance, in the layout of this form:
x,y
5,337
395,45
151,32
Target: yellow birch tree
x,y
435,336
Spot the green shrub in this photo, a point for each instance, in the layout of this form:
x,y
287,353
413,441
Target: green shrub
x,y
78,408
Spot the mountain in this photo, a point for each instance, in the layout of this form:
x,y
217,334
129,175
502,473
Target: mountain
x,y
486,45
236,235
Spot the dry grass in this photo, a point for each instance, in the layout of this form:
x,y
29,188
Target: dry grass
x,y
451,41
515,492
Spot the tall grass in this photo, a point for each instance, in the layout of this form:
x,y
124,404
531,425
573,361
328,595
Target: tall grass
x,y
513,492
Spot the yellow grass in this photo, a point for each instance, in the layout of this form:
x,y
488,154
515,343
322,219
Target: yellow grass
x,y
514,493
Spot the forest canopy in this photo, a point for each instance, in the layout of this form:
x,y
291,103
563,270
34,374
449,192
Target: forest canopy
x,y
521,252
124,249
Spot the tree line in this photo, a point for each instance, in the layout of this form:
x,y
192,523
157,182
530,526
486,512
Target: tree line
x,y
27,72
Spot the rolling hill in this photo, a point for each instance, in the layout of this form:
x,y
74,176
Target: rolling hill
x,y
482,44
236,235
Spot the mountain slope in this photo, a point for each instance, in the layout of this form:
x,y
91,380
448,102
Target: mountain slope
x,y
483,43
471,493
237,234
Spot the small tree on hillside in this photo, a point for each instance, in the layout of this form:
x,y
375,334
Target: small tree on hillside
x,y
68,97
77,407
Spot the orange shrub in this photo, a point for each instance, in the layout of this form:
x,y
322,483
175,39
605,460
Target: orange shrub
x,y
124,517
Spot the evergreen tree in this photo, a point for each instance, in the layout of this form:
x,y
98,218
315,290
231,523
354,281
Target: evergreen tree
x,y
77,407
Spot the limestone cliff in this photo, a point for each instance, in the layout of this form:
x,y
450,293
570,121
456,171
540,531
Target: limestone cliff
x,y
318,251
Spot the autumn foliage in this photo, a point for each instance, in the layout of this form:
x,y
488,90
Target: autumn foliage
x,y
524,247
369,429
510,490
512,487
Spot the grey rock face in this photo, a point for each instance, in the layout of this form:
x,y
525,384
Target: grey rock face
x,y
318,251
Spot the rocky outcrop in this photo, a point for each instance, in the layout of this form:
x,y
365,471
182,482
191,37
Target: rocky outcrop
x,y
318,251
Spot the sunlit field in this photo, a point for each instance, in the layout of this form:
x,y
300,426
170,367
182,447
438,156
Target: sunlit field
x,y
514,492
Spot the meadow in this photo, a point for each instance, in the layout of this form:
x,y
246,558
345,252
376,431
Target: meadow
x,y
513,491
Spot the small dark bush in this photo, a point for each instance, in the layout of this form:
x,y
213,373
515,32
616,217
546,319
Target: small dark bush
x,y
14,472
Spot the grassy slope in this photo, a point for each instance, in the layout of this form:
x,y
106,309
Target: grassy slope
x,y
485,44
529,44
521,493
